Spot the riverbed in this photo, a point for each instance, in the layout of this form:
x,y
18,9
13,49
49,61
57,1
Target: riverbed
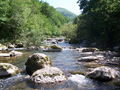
x,y
67,62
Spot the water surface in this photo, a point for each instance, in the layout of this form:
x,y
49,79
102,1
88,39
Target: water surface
x,y
66,61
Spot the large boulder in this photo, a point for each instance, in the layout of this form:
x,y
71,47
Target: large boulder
x,y
37,61
7,69
103,73
48,75
52,48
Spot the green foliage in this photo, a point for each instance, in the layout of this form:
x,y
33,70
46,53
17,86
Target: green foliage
x,y
66,13
69,30
99,21
29,21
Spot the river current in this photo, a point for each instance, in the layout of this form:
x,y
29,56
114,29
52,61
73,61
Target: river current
x,y
66,61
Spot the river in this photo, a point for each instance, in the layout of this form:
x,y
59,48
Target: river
x,y
66,61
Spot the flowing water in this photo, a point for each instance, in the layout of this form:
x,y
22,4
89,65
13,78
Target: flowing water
x,y
66,61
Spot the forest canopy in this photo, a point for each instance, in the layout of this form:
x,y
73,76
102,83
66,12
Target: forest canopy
x,y
99,22
29,20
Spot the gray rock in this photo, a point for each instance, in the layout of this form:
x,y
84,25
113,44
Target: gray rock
x,y
37,61
88,59
103,73
48,75
7,69
15,53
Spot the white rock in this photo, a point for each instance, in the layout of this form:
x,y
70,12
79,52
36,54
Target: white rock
x,y
48,75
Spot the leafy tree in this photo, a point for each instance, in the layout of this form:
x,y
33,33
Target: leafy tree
x,y
29,21
99,21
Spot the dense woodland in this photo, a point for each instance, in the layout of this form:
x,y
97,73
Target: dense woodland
x,y
99,23
29,21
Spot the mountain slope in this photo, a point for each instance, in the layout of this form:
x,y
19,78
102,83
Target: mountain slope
x,y
66,13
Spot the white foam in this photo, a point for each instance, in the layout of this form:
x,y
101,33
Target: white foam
x,y
80,79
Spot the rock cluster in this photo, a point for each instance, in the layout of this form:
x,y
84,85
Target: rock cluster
x,y
40,68
37,61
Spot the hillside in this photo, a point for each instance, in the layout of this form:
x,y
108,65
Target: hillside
x,y
66,13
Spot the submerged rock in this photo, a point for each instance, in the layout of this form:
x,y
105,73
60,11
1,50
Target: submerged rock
x,y
48,75
37,61
52,48
103,73
7,69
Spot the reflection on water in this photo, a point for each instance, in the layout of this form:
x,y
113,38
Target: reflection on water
x,y
66,61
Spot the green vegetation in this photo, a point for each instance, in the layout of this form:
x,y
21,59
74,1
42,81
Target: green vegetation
x,y
99,22
69,31
29,21
66,13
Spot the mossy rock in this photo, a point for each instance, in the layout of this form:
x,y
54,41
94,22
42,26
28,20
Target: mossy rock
x,y
52,48
7,69
37,61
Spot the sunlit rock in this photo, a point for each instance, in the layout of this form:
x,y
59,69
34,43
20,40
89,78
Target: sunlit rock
x,y
7,69
89,49
103,73
86,53
88,59
5,54
48,75
3,47
37,61
11,46
52,48
15,53
49,39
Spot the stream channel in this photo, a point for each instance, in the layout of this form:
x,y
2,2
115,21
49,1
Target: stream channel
x,y
66,61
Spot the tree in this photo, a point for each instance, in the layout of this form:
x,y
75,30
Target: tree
x,y
100,21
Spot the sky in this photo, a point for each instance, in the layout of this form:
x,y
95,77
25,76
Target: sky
x,y
70,5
